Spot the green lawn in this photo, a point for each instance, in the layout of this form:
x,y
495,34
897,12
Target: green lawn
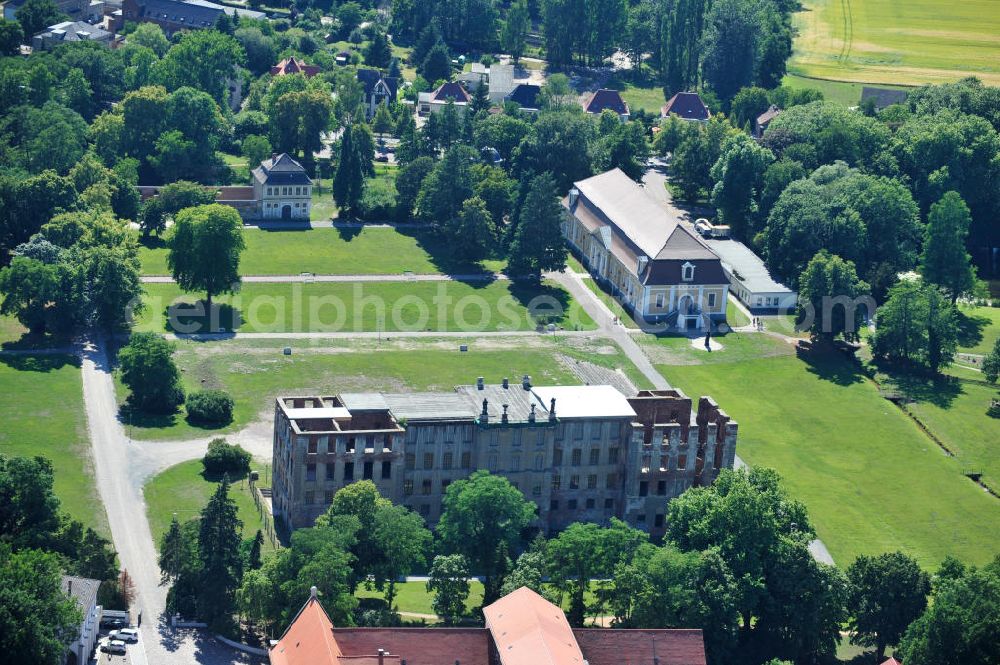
x,y
372,306
736,347
42,414
651,99
331,251
888,41
980,328
182,489
612,304
872,481
841,92
735,316
256,373
413,597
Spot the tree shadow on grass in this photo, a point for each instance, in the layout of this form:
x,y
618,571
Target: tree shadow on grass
x,y
185,318
153,242
830,364
47,362
970,329
545,303
35,342
915,384
442,256
348,233
132,416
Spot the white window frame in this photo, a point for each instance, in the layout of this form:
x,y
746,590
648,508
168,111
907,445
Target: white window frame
x,y
687,272
711,300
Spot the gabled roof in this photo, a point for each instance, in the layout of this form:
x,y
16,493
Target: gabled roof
x,y
687,105
83,590
308,640
370,77
451,90
606,99
891,661
525,95
294,66
767,116
603,646
75,31
281,170
529,630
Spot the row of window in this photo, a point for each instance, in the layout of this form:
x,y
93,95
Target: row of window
x,y
610,482
576,456
349,444
367,471
661,488
574,504
288,191
711,300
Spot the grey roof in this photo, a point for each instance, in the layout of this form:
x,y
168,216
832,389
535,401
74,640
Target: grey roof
x,y
196,13
752,272
282,170
639,218
82,589
430,406
369,79
883,96
525,95
364,401
232,11
75,31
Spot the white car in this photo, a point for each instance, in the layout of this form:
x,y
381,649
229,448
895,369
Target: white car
x,y
114,646
130,635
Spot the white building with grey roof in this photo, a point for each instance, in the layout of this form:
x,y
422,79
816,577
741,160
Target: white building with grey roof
x,y
750,280
656,266
581,453
84,590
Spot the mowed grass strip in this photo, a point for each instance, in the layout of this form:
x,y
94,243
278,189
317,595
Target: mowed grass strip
x,y
184,490
872,481
371,306
255,376
42,414
414,598
921,41
370,250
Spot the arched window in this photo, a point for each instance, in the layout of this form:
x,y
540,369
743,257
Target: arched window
x,y
687,272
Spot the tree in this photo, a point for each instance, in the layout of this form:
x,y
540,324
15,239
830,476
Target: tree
x,y
449,582
945,261
29,515
114,283
11,36
437,65
226,459
560,145
738,176
38,617
916,324
729,46
479,514
297,120
254,560
36,15
349,15
218,553
382,122
151,36
446,188
641,33
528,571
204,249
176,552
747,105
363,502
514,32
696,154
480,98
408,183
260,49
991,364
202,59
403,541
961,625
886,594
830,298
471,233
625,147
349,179
29,288
378,53
256,149
148,371
537,244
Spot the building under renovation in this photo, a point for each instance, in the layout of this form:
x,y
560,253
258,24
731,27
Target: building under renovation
x,y
581,453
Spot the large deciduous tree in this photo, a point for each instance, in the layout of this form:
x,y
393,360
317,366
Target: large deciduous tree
x,y
449,582
148,371
481,513
205,243
945,261
886,594
831,298
738,176
203,59
917,324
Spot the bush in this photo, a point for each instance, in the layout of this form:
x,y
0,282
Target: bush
x,y
213,407
149,372
378,202
223,457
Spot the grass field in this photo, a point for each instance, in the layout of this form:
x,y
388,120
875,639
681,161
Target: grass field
x,y
840,92
873,482
735,316
980,329
42,414
373,306
254,374
650,99
413,597
612,304
182,489
888,41
331,251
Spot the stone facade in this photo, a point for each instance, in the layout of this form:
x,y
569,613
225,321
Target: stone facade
x,y
282,189
581,453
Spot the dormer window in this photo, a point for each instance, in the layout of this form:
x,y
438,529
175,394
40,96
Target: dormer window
x,y
687,272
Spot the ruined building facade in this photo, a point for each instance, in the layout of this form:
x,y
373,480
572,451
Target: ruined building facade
x,y
581,453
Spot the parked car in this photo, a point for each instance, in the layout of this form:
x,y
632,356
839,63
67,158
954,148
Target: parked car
x,y
381,157
113,646
130,635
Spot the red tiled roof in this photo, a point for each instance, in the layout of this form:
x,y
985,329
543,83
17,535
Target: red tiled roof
x,y
529,630
602,646
454,91
294,66
418,646
309,639
687,105
606,99
891,661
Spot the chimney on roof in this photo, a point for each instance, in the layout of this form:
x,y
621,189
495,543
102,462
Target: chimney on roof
x,y
313,592
381,656
479,383
552,410
574,194
506,383
484,417
526,382
531,416
503,418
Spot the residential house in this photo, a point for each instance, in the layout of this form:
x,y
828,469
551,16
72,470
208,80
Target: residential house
x,y
282,189
70,31
525,95
686,106
604,99
763,121
750,280
84,591
658,267
378,90
176,15
498,78
522,628
435,101
882,97
293,65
